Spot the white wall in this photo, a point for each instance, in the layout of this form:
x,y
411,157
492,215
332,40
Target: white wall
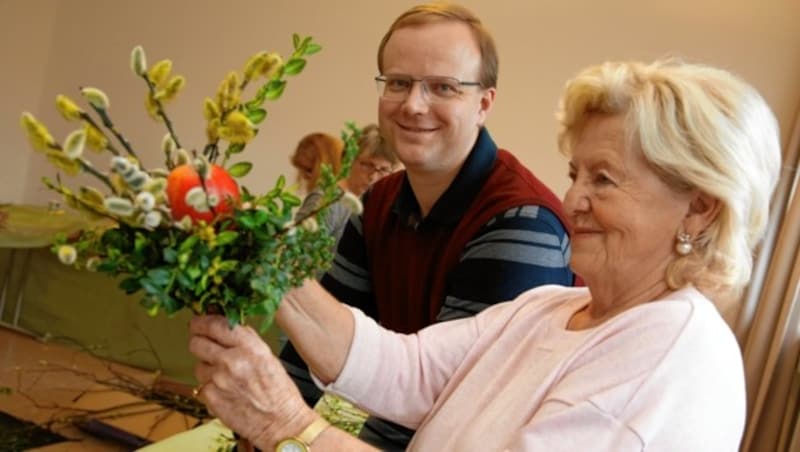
x,y
54,46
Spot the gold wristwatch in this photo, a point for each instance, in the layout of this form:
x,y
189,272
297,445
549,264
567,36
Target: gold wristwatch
x,y
302,442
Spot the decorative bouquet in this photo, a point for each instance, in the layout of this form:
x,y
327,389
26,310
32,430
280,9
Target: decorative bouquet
x,y
187,235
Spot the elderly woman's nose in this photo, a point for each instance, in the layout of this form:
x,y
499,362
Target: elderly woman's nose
x,y
576,200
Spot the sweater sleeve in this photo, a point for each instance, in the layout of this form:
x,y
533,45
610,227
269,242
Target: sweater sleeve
x,y
399,377
520,249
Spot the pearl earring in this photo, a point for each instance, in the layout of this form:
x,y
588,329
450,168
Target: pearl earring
x,y
684,245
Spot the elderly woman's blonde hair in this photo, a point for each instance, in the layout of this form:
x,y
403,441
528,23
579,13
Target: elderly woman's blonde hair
x,y
699,128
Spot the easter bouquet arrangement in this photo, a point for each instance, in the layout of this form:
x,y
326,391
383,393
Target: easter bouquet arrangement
x,y
187,235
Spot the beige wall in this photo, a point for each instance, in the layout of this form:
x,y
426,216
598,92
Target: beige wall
x,y
52,47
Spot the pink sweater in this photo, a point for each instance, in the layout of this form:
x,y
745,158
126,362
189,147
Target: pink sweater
x,y
663,376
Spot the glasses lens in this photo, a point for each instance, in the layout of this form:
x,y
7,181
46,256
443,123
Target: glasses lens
x,y
442,87
395,87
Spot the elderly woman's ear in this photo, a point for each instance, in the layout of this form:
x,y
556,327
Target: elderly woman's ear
x,y
703,211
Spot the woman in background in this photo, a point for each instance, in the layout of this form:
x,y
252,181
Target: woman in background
x,y
314,150
374,160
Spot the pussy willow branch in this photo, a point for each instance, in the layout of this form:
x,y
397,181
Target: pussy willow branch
x,y
86,166
84,204
90,169
160,111
106,119
211,150
85,116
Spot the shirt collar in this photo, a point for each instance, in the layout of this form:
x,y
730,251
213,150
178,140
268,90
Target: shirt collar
x,y
453,203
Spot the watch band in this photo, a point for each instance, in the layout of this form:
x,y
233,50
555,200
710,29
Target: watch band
x,y
310,433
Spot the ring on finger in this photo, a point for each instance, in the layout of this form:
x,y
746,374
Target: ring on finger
x,y
198,389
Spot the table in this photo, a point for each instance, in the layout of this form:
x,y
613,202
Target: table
x,y
47,378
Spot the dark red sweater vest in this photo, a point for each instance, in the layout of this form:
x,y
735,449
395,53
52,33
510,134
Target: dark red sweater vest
x,y
409,268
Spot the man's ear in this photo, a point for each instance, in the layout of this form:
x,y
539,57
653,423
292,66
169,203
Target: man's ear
x,y
486,104
703,210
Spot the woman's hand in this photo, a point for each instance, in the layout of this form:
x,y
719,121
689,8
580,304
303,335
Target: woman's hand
x,y
243,384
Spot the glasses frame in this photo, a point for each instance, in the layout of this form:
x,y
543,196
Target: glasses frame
x,y
423,81
371,168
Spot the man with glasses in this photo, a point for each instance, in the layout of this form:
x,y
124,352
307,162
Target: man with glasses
x,y
466,225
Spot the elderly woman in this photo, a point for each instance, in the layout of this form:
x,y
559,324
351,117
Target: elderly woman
x,y
672,168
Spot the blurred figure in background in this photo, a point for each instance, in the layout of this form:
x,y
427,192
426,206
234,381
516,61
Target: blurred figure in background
x,y
314,150
374,161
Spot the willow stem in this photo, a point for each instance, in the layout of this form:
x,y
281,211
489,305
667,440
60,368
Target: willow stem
x,y
80,201
110,126
85,116
103,178
160,110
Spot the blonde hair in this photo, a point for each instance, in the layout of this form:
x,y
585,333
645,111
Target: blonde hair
x,y
372,144
323,149
698,128
440,12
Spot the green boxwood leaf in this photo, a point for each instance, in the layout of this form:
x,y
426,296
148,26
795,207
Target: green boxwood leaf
x,y
290,199
170,255
184,281
312,49
226,237
240,169
275,89
149,287
234,149
295,66
194,272
306,41
257,101
130,285
188,244
256,115
159,276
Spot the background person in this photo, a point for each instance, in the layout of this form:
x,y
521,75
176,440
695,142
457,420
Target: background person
x,y
314,150
374,160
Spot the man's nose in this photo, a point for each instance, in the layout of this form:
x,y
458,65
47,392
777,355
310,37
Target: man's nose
x,y
417,99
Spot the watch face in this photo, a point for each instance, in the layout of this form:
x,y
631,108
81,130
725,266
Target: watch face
x,y
291,445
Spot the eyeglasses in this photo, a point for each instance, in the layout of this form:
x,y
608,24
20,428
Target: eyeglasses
x,y
371,168
436,89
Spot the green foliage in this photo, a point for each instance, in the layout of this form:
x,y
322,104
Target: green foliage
x,y
240,169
